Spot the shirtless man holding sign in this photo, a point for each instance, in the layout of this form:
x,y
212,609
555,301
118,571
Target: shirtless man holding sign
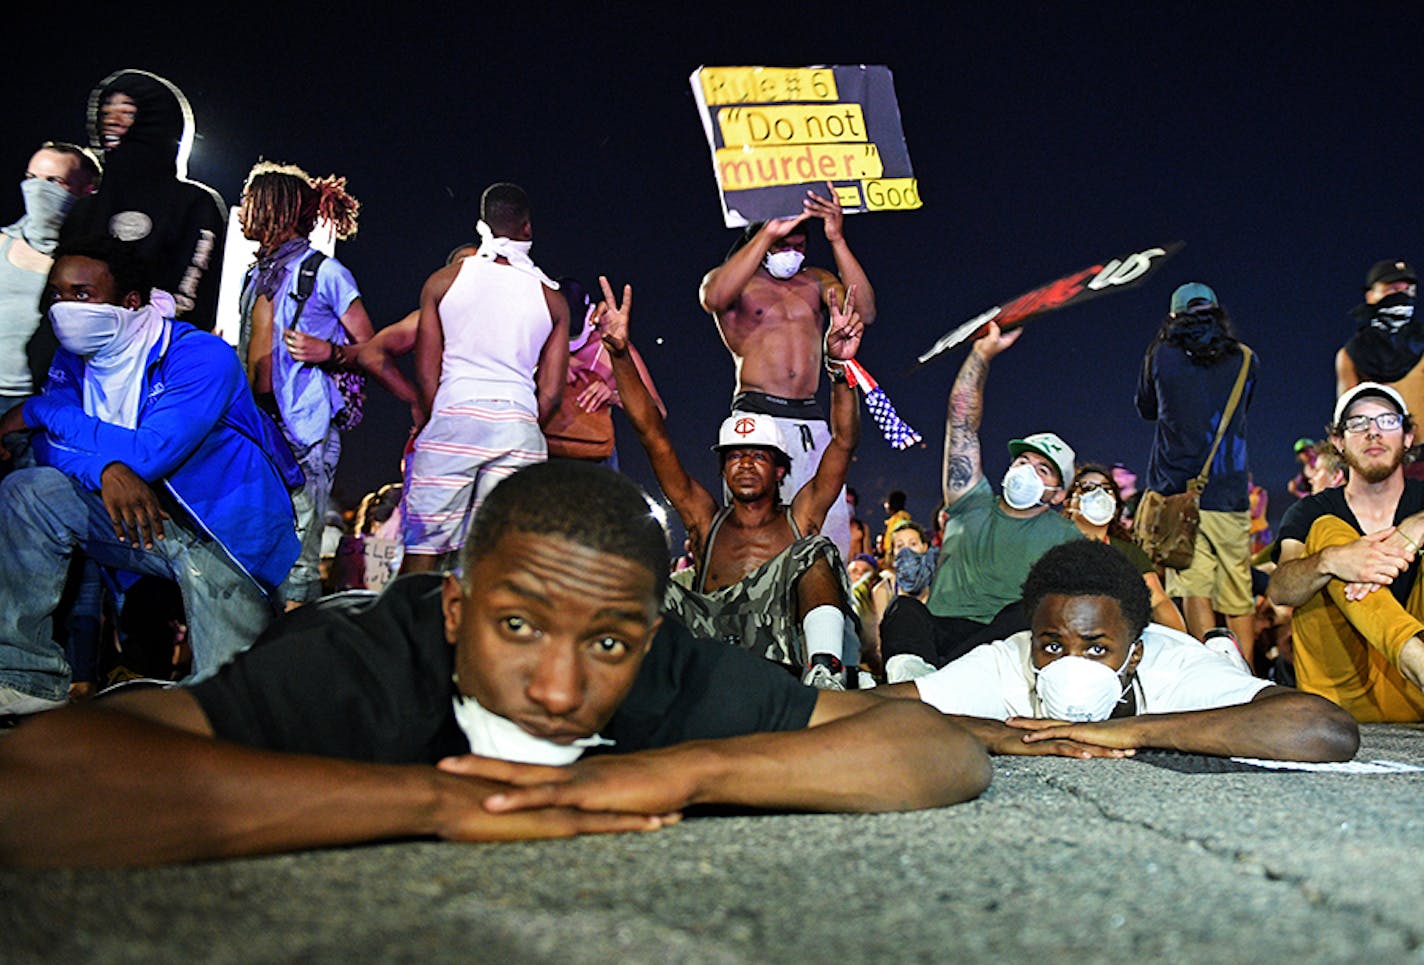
x,y
771,313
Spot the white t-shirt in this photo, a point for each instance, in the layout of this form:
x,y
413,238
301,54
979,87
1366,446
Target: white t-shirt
x,y
1176,673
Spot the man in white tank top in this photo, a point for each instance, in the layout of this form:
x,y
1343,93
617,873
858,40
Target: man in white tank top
x,y
491,357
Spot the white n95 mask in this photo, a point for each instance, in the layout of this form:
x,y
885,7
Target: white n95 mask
x,y
1023,488
785,263
1079,689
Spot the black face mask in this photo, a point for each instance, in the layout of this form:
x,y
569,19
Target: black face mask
x,y
1389,314
1200,335
1389,341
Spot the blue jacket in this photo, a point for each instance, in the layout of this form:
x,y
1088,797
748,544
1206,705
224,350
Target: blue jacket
x,y
198,435
1187,402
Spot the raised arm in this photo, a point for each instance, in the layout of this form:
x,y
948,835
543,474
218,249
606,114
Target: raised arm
x,y
723,285
815,498
852,276
962,465
70,795
553,368
859,754
1278,724
693,503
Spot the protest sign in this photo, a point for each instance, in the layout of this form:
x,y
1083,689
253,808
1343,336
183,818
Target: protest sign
x,y
366,562
1116,274
775,131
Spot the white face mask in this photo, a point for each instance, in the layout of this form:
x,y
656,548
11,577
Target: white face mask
x,y
1097,506
1076,688
493,736
785,263
1023,487
85,328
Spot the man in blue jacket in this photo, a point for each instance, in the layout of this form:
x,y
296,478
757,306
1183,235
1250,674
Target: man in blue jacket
x,y
151,461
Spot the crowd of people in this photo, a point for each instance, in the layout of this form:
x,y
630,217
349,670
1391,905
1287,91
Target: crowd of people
x,y
530,646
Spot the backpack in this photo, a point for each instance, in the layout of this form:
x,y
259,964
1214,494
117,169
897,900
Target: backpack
x,y
351,385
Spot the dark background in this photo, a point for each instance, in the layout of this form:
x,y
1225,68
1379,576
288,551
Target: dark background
x,y
1280,141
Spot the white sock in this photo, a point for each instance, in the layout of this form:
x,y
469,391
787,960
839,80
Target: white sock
x,y
907,666
824,627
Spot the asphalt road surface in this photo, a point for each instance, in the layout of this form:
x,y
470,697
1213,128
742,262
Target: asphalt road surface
x,y
1113,861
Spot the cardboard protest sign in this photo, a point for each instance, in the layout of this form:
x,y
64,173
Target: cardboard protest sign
x,y
1117,274
366,562
774,131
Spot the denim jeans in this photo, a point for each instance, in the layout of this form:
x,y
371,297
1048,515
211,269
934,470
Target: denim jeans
x,y
46,515
17,443
310,503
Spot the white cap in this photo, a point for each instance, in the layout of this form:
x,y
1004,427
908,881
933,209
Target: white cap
x,y
1363,390
750,429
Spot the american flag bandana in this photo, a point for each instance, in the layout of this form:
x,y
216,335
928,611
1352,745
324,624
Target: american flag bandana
x,y
897,432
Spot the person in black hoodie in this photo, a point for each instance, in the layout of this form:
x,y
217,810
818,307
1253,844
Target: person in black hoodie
x,y
143,125
1388,346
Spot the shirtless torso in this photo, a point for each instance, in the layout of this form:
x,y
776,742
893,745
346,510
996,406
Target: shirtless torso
x,y
745,541
774,332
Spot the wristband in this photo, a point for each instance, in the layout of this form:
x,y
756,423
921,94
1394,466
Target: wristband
x,y
835,371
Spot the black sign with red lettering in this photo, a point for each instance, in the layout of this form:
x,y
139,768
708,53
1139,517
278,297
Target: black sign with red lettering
x,y
1118,274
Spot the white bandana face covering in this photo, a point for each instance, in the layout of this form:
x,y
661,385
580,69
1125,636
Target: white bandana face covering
x,y
514,252
493,736
115,343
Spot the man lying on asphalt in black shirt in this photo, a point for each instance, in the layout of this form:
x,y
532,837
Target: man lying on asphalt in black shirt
x,y
538,695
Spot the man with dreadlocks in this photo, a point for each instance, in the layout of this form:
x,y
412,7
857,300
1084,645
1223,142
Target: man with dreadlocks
x,y
771,314
292,345
491,357
1187,378
143,125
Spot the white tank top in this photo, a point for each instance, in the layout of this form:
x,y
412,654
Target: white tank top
x,y
496,321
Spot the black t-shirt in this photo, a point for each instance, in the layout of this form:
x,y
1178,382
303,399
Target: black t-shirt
x,y
1300,516
368,678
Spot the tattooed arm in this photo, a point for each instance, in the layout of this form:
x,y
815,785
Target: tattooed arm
x,y
962,465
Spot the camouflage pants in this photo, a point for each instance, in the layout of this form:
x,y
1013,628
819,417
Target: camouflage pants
x,y
759,612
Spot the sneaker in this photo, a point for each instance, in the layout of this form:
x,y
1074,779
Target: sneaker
x,y
1223,641
906,666
864,681
825,673
14,703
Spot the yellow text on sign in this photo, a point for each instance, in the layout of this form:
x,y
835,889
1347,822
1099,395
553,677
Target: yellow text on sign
x,y
764,167
791,124
892,194
763,85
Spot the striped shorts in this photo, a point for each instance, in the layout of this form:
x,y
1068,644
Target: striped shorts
x,y
463,452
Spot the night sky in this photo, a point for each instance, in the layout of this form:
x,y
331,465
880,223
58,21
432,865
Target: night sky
x,y
1279,141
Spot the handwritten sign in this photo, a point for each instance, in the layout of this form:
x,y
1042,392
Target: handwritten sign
x,y
366,562
773,131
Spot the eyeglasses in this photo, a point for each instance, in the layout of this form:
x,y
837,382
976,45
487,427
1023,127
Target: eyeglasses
x,y
1384,422
1089,486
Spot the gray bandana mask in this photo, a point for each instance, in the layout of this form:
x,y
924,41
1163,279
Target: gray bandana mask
x,y
913,571
46,204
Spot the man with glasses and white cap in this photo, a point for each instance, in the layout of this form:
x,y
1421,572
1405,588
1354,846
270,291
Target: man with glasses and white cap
x,y
990,542
1355,645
